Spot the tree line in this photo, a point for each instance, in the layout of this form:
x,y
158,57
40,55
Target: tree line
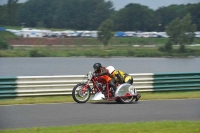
x,y
89,14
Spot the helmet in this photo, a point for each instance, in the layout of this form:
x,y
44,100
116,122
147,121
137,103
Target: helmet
x,y
111,69
97,66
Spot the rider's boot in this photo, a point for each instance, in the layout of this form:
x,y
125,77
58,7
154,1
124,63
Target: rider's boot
x,y
138,97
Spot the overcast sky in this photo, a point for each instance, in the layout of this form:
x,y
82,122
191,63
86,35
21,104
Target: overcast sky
x,y
153,4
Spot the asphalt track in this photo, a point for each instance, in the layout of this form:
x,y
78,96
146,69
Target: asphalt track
x,y
63,114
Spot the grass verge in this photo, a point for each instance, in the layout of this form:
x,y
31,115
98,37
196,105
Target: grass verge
x,y
60,99
137,127
96,51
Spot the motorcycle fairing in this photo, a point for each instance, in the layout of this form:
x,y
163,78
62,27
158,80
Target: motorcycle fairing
x,y
125,89
98,96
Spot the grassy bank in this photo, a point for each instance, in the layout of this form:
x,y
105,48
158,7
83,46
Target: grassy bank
x,y
61,99
96,51
6,35
137,127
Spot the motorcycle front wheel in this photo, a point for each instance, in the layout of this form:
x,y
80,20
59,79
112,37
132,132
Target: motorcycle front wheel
x,y
125,100
80,93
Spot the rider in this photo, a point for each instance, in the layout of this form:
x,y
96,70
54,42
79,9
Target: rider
x,y
104,73
121,77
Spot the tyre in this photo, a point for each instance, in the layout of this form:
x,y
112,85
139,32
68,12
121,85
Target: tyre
x,y
126,100
80,93
118,100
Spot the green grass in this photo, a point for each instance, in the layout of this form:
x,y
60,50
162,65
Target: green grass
x,y
60,99
7,35
134,127
96,51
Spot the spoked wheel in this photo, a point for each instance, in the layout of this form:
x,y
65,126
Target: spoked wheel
x,y
81,93
126,99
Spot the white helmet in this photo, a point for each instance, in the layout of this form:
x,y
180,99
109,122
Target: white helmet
x,y
110,69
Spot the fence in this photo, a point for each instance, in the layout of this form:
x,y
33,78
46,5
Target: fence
x,y
63,85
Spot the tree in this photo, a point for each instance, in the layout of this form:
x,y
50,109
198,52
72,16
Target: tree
x,y
3,14
102,12
181,31
165,15
12,11
134,17
81,14
193,9
38,13
105,31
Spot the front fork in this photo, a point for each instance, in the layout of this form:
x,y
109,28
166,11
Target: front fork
x,y
85,87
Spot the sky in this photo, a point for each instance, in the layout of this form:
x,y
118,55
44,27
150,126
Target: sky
x,y
153,4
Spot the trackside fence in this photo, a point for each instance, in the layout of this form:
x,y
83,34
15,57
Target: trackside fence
x,y
63,85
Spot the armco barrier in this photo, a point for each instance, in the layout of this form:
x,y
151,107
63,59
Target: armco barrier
x,y
63,85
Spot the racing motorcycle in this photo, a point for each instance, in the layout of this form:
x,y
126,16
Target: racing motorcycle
x,y
101,90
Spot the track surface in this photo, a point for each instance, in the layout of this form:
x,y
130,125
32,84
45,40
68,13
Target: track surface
x,y
24,116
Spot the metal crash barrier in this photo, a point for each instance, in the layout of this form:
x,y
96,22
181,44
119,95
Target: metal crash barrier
x,y
63,85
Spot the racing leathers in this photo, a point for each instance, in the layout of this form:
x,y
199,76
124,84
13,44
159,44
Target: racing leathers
x,y
122,77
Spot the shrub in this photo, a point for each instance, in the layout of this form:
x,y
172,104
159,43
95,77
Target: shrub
x,y
3,44
37,53
162,49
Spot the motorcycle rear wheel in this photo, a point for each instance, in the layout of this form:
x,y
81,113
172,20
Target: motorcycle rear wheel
x,y
78,95
126,100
